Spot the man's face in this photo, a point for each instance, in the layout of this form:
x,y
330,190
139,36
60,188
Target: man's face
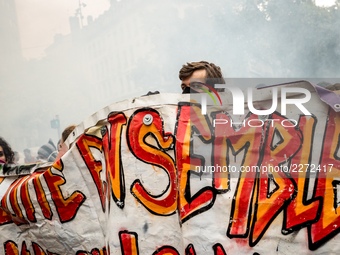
x,y
198,75
2,155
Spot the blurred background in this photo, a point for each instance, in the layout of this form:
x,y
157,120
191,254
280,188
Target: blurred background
x,y
63,60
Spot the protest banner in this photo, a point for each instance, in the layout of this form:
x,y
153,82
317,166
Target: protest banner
x,y
153,175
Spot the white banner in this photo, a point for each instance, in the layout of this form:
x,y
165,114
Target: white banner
x,y
153,175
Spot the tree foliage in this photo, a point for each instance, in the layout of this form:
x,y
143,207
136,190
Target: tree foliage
x,y
300,38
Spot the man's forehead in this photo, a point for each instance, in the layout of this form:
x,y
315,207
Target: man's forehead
x,y
198,75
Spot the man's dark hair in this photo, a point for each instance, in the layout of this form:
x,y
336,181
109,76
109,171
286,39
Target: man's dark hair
x,y
214,73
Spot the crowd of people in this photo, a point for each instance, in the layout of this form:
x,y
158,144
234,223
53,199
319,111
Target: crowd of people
x,y
201,71
190,74
46,153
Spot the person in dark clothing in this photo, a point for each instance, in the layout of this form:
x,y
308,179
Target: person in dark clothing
x,y
47,152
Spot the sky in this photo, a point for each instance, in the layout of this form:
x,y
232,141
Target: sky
x,y
40,20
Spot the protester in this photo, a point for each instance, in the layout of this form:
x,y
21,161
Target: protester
x,y
6,153
62,148
28,157
16,157
333,87
202,71
47,152
67,131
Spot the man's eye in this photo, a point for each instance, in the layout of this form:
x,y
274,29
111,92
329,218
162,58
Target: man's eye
x,y
196,85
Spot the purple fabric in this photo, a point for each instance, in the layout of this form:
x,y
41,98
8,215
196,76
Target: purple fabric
x,y
329,97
